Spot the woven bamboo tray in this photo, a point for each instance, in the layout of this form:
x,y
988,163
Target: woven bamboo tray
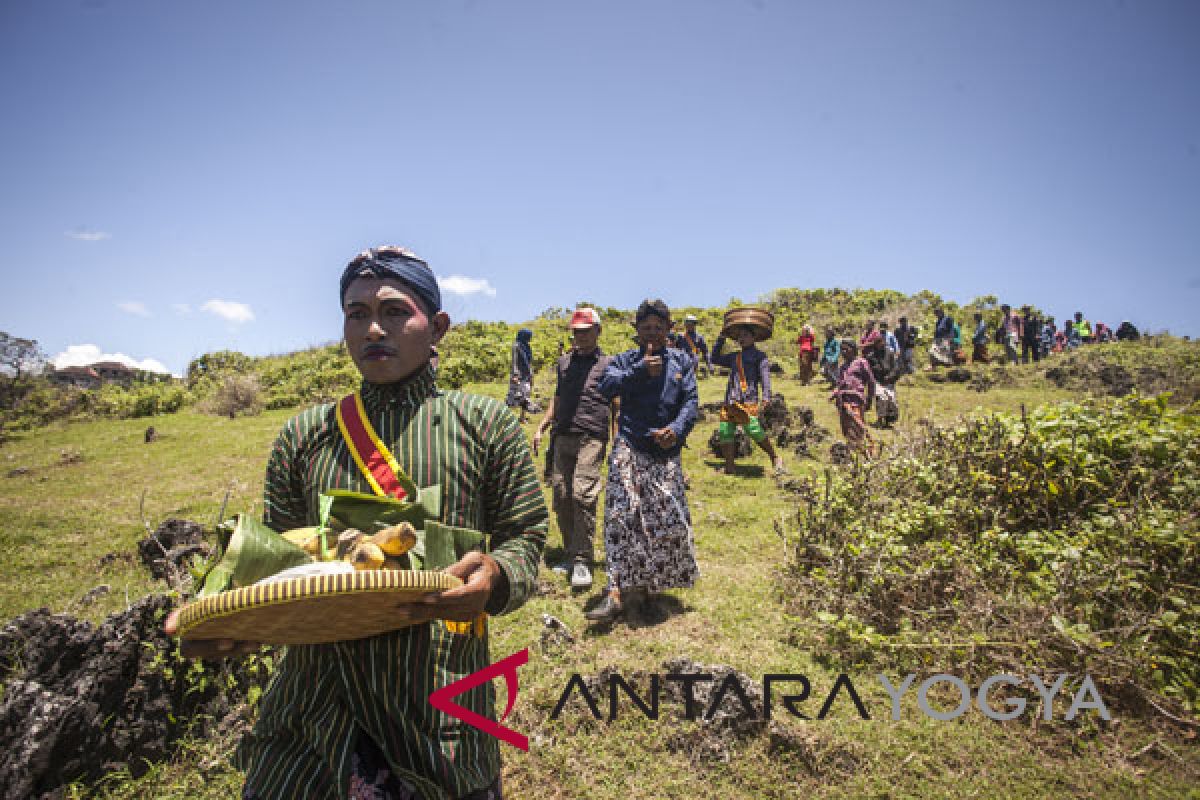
x,y
761,321
312,610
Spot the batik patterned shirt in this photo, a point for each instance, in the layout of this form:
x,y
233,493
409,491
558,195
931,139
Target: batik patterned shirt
x,y
324,696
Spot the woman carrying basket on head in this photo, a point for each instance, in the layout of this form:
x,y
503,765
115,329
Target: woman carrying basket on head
x,y
749,383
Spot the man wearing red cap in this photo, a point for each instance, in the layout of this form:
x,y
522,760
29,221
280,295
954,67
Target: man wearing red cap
x,y
582,418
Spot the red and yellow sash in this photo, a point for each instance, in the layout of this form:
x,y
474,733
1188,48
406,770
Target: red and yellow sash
x,y
377,463
691,343
384,474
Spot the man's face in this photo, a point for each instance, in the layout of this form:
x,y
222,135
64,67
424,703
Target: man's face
x,y
389,335
652,330
689,326
744,337
585,339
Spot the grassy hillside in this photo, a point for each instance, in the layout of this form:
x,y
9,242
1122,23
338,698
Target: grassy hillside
x,y
71,495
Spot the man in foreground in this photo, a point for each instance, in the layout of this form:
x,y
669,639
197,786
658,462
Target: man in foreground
x,y
582,420
353,719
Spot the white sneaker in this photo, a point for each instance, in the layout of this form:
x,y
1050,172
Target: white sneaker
x,y
581,576
561,569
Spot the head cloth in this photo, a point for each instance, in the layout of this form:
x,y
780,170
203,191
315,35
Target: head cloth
x,y
398,263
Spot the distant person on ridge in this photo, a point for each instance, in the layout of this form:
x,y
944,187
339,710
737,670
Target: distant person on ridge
x,y
1083,329
520,373
889,339
886,369
853,395
1031,328
1010,326
1127,332
748,390
941,353
806,344
692,342
582,418
979,340
960,355
906,335
831,356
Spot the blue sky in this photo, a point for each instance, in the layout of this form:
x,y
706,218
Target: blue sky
x,y
184,177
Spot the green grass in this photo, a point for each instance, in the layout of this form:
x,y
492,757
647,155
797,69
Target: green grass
x,y
64,518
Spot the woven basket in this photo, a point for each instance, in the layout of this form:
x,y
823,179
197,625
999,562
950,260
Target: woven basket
x,y
312,610
761,321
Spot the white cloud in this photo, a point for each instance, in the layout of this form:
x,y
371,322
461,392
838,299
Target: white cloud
x,y
229,310
80,355
462,285
181,308
85,235
134,307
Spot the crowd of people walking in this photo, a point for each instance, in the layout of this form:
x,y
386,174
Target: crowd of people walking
x,y
645,400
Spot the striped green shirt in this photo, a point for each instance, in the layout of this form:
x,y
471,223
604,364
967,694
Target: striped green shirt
x,y
323,696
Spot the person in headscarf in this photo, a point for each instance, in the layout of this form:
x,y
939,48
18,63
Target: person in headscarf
x,y
520,377
647,524
853,395
807,344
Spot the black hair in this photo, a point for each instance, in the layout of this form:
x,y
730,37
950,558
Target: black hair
x,y
655,308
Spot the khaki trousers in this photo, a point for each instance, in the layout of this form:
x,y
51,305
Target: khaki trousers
x,y
576,484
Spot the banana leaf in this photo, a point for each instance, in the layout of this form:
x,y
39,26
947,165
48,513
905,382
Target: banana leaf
x,y
248,551
438,545
370,513
445,544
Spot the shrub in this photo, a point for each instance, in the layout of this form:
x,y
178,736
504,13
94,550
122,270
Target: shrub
x,y
236,394
1066,538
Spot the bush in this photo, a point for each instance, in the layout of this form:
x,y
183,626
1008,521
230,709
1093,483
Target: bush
x,y
236,394
1066,539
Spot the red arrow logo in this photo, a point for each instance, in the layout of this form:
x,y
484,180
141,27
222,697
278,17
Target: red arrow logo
x,y
440,698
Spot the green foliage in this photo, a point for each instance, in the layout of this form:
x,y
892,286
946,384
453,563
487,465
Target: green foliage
x,y
317,375
210,365
1066,538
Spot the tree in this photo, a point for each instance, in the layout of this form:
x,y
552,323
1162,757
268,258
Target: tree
x,y
19,357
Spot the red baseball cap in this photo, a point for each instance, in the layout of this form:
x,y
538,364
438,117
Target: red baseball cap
x,y
584,318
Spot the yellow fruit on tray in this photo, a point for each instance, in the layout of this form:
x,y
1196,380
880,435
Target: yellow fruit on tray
x,y
396,540
366,555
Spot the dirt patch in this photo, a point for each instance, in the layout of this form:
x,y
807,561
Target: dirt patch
x,y
1080,372
169,550
983,379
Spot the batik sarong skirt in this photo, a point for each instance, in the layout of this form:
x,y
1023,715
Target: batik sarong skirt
x,y
518,393
647,524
